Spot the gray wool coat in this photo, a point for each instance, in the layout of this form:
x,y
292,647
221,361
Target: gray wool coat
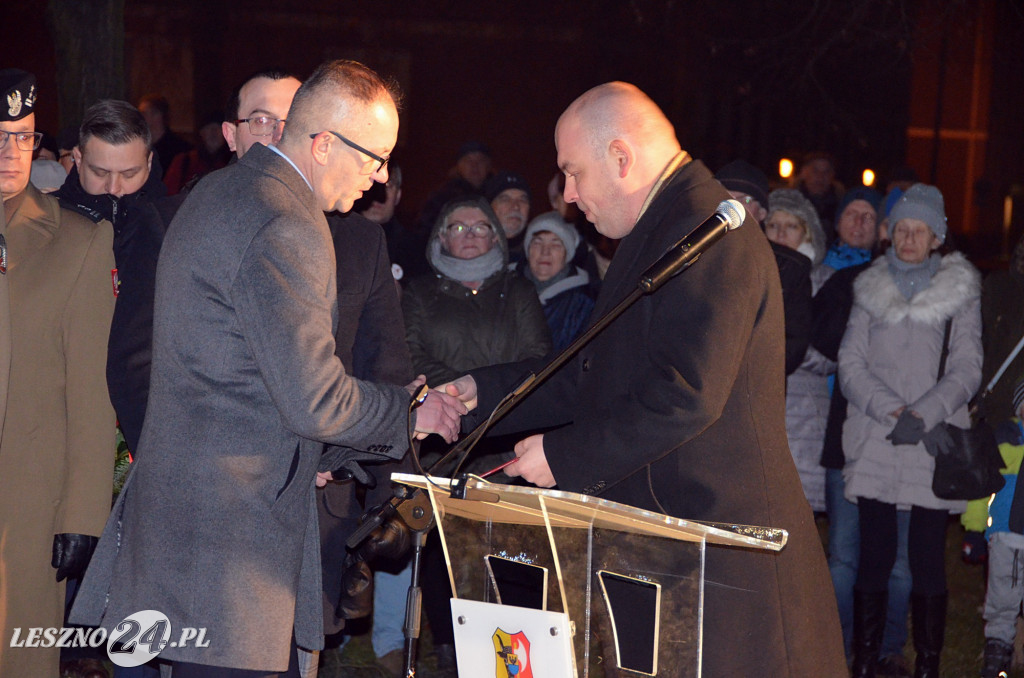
x,y
217,524
889,358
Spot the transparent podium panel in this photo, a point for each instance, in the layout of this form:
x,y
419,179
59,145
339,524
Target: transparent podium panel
x,y
629,582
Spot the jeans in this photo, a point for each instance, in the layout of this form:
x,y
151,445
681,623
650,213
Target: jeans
x,y
389,594
843,555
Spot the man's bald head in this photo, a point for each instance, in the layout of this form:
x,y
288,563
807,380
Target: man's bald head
x,y
619,110
613,144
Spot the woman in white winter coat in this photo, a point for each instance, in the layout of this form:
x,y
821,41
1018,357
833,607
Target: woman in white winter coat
x,y
888,369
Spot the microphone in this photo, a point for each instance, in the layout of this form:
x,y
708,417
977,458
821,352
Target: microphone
x,y
727,217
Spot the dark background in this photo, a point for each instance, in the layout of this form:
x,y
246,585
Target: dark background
x,y
937,85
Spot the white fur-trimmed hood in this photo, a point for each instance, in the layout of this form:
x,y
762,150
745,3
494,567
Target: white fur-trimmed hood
x,y
954,284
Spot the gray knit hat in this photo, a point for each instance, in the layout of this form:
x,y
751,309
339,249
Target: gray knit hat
x,y
552,221
923,202
794,202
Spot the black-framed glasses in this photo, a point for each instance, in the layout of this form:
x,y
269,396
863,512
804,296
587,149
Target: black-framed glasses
x,y
352,144
26,141
261,125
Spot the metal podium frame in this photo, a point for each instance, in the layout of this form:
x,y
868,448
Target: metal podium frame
x,y
581,542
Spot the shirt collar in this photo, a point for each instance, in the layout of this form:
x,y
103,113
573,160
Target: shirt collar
x,y
275,149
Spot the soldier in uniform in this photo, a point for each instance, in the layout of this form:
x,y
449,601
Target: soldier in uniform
x,y
56,421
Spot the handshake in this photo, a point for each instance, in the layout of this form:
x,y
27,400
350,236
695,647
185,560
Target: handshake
x,y
440,410
437,411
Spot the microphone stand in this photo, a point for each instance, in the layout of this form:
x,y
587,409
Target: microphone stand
x,y
679,257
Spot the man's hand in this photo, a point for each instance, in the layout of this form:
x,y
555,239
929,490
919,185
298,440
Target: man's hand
x,y
323,478
532,464
439,413
463,388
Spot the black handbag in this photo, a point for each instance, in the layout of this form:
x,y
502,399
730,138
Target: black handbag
x,y
971,471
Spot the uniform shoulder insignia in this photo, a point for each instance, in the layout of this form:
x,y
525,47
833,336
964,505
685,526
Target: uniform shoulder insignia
x,y
90,214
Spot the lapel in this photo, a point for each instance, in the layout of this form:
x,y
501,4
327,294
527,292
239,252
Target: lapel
x,y
32,227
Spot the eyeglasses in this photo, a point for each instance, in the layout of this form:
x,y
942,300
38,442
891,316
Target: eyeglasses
x,y
261,125
352,144
479,229
26,141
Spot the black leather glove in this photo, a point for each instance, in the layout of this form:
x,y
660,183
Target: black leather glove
x,y
938,441
390,541
356,599
71,554
974,550
909,429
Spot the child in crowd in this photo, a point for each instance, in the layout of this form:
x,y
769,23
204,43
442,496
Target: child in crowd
x,y
1001,517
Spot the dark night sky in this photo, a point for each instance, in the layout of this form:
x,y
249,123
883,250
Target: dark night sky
x,y
738,78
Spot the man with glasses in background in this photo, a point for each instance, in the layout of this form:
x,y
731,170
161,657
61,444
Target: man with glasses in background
x,y
56,422
257,110
248,389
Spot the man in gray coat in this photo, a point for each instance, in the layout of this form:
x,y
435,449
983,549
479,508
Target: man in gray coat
x,y
216,526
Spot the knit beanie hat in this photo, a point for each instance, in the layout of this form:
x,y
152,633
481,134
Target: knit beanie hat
x,y
923,202
1018,397
869,195
472,147
890,201
742,177
552,221
793,201
502,181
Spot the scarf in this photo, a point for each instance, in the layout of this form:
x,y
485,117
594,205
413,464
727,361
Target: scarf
x,y
912,278
841,256
466,270
541,286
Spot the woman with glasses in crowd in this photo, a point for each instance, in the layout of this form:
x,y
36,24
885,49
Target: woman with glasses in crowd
x,y
471,312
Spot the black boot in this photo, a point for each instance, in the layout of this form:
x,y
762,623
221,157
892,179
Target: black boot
x,y
868,623
998,657
928,615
